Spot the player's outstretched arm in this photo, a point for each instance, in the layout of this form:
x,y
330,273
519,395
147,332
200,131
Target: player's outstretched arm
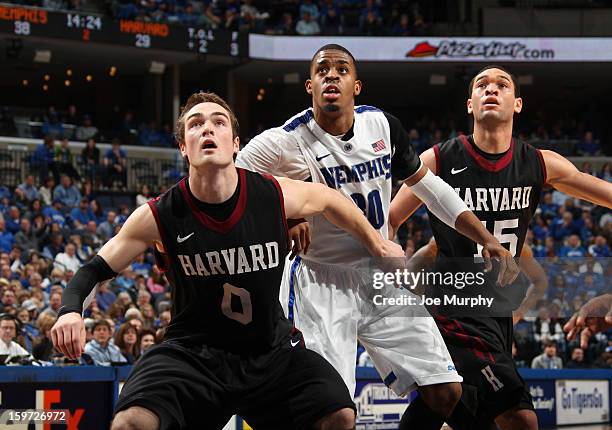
x,y
539,280
304,199
444,203
565,177
137,234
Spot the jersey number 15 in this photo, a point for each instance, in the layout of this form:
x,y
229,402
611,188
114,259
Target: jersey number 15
x,y
498,231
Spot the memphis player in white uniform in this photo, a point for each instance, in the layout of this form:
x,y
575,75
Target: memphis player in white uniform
x,y
355,149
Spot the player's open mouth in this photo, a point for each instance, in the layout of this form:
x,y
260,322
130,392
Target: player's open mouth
x,y
491,102
331,93
209,144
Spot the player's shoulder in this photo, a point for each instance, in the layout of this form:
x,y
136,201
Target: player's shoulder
x,y
450,144
367,109
286,133
523,146
297,122
262,185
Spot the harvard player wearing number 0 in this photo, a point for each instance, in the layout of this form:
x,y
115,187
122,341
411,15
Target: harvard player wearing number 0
x,y
221,235
356,150
500,178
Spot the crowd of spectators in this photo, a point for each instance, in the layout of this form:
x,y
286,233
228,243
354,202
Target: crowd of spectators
x,y
287,17
46,233
290,17
69,124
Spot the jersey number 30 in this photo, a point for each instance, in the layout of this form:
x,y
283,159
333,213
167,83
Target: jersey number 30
x,y
372,209
498,231
244,317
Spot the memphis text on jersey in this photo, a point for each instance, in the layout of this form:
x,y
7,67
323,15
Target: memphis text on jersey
x,y
495,199
231,261
360,172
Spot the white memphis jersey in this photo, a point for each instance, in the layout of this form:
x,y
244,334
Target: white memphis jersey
x,y
359,167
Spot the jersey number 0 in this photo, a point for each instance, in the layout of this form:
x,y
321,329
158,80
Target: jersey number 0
x,y
244,317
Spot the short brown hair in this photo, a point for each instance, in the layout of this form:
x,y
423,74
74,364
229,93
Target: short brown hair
x,y
202,97
99,323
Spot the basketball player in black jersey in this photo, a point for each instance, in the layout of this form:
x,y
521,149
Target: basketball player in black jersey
x,y
500,179
221,236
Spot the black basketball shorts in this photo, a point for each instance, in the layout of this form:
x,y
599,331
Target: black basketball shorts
x,y
202,387
481,349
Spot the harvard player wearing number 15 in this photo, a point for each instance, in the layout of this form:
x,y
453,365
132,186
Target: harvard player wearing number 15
x,y
221,235
500,178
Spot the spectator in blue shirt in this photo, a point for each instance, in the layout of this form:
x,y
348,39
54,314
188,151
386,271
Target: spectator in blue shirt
x,y
55,213
600,248
27,189
100,349
13,220
82,214
548,207
572,248
106,229
588,146
141,267
42,159
6,237
105,297
564,226
540,228
67,193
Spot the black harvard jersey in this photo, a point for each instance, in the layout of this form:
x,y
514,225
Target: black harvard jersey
x,y
503,191
225,275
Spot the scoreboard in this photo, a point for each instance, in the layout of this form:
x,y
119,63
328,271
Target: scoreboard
x,y
87,28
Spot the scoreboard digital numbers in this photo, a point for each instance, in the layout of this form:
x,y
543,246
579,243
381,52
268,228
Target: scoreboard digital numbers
x,y
23,21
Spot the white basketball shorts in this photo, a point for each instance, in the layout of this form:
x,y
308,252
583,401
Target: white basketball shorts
x,y
334,308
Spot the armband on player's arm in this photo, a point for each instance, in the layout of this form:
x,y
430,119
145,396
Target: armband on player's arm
x,y
440,198
83,282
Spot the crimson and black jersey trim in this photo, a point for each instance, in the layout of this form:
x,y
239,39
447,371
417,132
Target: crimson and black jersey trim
x,y
211,223
491,166
436,150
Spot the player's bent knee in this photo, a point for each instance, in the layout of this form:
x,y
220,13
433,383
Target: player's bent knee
x,y
135,418
343,419
441,398
518,419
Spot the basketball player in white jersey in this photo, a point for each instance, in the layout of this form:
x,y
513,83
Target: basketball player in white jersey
x,y
355,149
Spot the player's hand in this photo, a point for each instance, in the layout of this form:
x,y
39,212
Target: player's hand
x,y
299,234
68,335
392,249
508,269
595,316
